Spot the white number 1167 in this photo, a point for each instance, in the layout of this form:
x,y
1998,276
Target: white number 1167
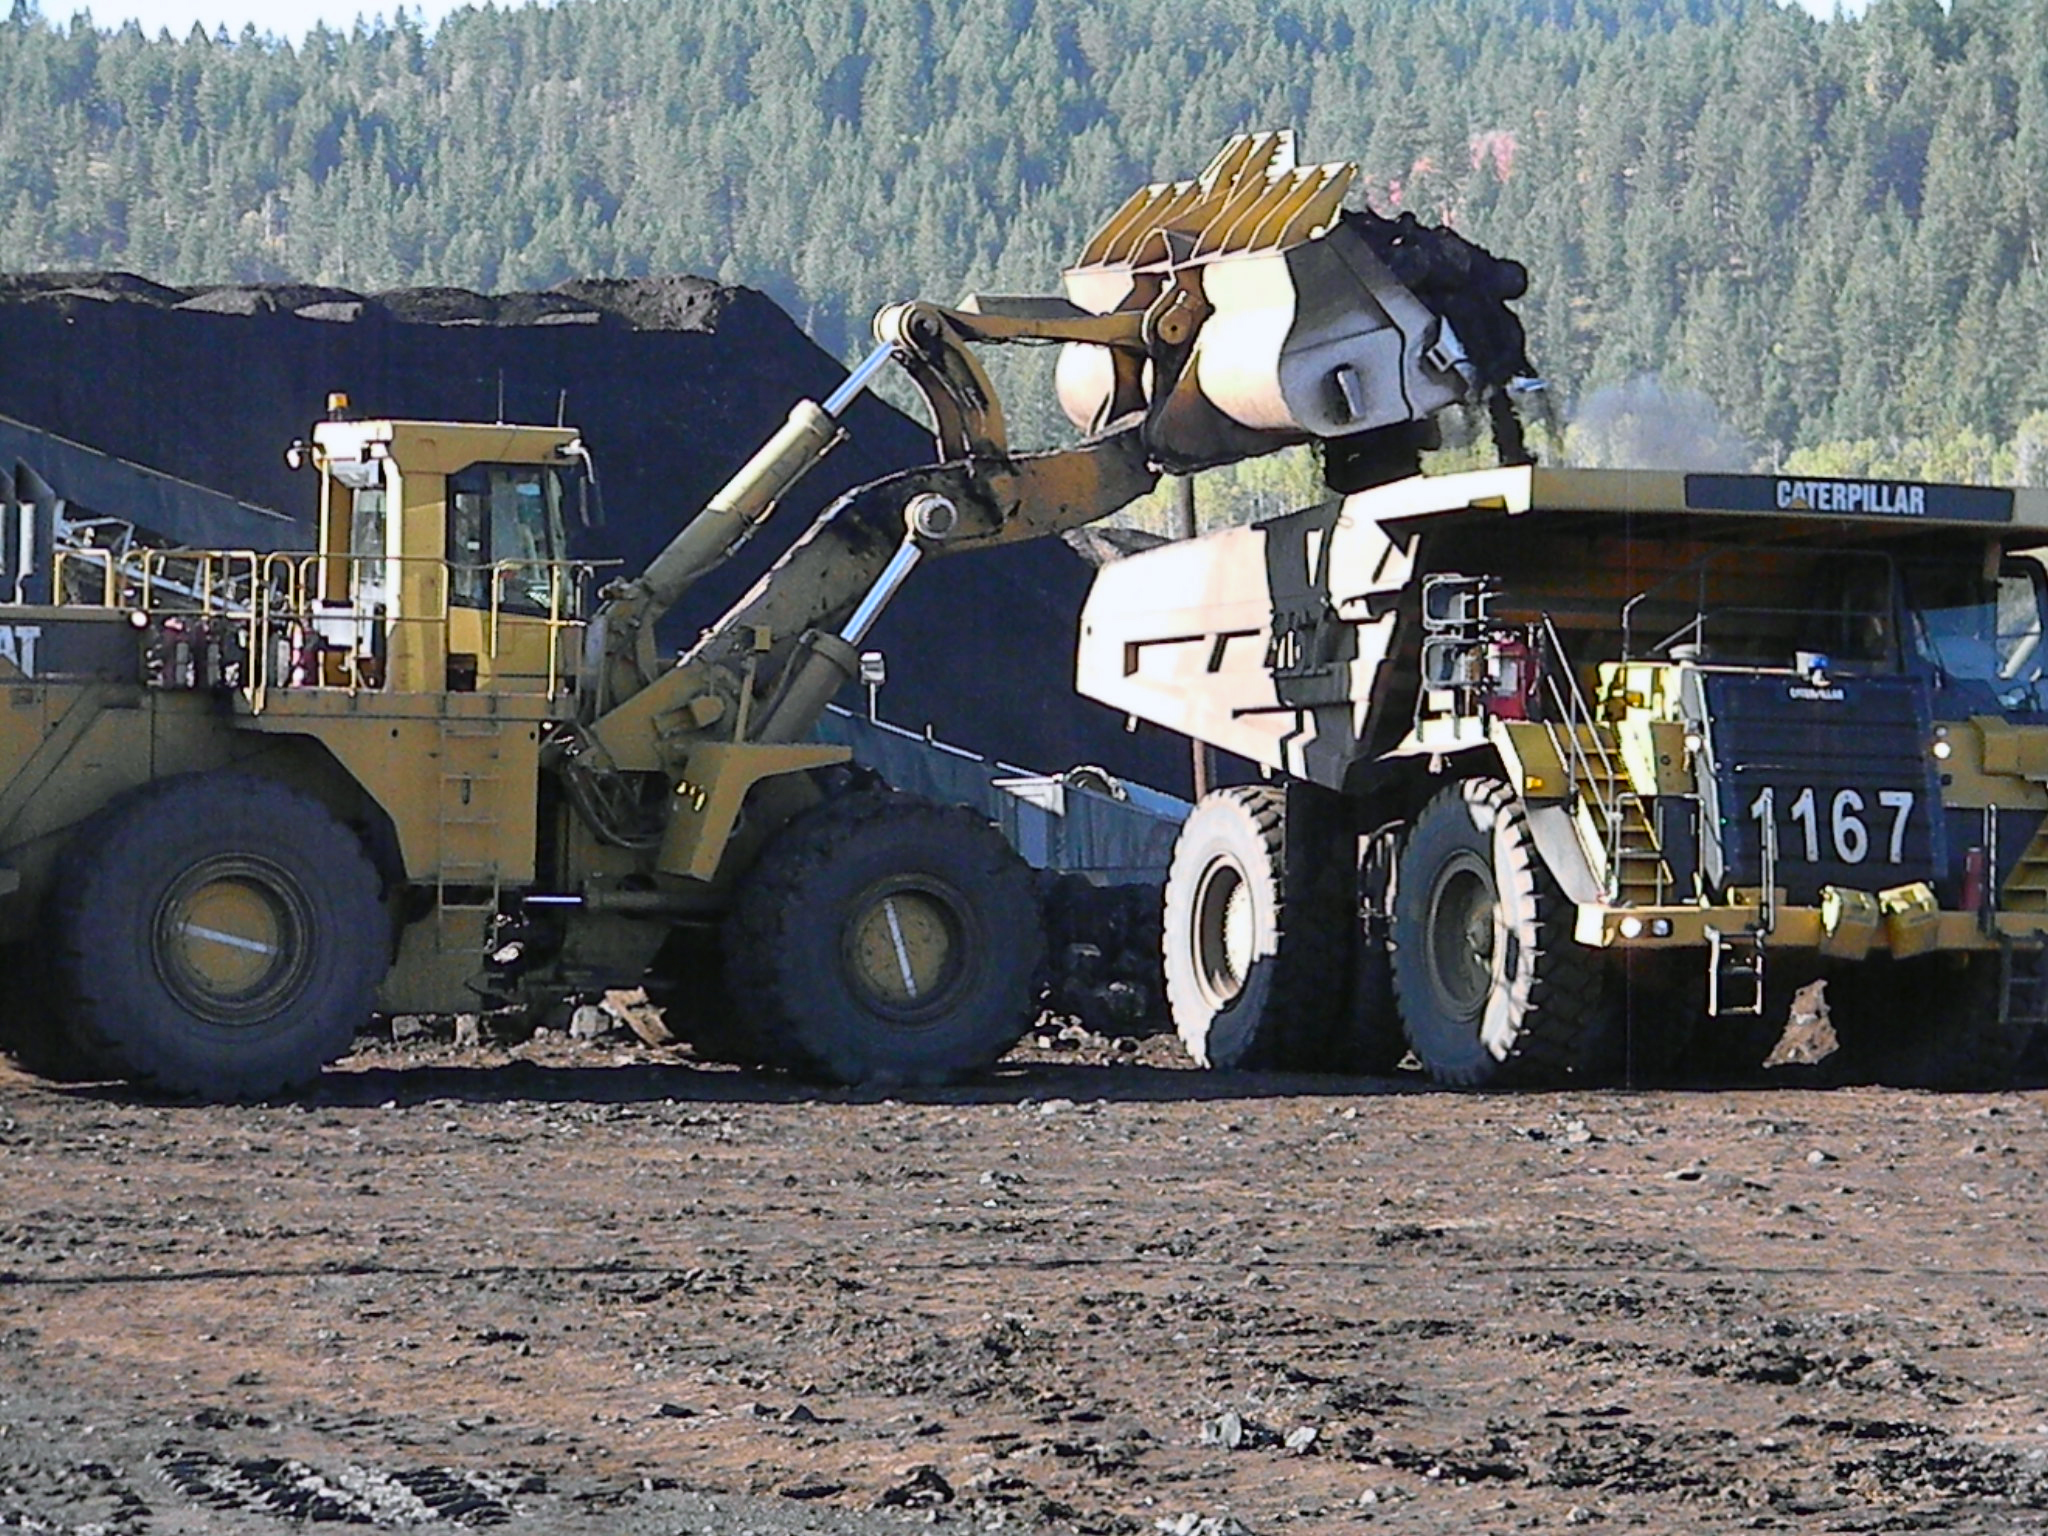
x,y
1848,833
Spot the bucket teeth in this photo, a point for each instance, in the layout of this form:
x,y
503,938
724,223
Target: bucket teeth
x,y
1253,196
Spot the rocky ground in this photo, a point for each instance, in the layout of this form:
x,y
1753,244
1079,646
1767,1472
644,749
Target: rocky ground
x,y
568,1286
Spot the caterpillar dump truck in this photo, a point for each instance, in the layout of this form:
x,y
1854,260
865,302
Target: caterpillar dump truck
x,y
247,797
1578,774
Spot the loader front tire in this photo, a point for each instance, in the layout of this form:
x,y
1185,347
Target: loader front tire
x,y
886,941
31,1030
1493,988
217,935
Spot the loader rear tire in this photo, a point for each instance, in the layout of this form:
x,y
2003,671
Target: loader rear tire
x,y
885,941
1493,988
31,1029
217,935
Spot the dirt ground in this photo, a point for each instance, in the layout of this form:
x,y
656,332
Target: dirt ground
x,y
567,1288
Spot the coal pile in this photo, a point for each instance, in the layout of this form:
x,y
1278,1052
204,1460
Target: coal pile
x,y
673,380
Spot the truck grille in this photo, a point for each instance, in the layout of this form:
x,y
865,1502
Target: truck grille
x,y
1842,767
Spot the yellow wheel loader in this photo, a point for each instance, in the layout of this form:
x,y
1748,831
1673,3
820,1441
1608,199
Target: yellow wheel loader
x,y
247,798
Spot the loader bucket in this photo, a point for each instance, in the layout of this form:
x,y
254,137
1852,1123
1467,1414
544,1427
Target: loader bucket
x,y
1300,328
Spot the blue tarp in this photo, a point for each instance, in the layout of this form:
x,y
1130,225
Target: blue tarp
x,y
1082,821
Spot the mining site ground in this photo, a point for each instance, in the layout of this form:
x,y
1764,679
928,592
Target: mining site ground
x,y
551,1287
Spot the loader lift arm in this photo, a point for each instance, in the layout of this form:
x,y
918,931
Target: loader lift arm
x,y
1207,322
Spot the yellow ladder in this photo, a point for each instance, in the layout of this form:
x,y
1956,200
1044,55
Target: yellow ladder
x,y
1613,823
468,872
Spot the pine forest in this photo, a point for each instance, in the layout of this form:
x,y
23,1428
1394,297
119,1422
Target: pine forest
x,y
1782,241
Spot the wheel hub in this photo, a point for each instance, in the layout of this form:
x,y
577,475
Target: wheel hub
x,y
1225,932
1461,936
904,945
231,939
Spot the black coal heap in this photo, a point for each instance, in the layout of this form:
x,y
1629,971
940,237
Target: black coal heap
x,y
674,381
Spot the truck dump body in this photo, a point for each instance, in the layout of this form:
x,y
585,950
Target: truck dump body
x,y
1268,640
1737,712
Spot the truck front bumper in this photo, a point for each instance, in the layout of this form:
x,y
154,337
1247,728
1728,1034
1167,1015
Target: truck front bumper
x,y
1909,931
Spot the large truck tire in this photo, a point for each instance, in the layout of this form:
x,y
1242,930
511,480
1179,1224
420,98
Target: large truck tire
x,y
882,940
1262,958
219,935
1969,1048
1931,1022
1493,989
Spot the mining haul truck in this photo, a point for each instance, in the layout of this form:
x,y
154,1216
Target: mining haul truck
x,y
1578,774
248,797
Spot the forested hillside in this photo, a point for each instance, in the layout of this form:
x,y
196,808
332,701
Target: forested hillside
x,y
1832,231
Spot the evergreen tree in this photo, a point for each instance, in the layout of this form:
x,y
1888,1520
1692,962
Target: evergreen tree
x,y
1835,230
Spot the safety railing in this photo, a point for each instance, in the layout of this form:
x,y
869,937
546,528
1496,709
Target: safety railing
x,y
291,637
1858,627
219,582
1579,738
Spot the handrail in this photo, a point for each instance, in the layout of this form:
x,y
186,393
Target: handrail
x,y
579,572
271,597
85,555
1582,726
1767,861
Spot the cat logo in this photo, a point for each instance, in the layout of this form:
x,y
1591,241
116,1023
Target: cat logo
x,y
18,645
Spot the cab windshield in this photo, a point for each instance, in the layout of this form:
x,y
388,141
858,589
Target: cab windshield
x,y
1982,636
505,534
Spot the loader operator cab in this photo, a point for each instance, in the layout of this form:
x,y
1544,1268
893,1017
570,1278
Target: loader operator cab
x,y
444,559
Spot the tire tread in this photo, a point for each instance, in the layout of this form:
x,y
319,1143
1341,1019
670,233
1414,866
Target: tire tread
x,y
1567,1025
759,935
86,955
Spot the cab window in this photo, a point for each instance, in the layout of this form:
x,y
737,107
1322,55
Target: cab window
x,y
366,537
1983,634
505,529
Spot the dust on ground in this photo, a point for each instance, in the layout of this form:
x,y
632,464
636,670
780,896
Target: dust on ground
x,y
565,1287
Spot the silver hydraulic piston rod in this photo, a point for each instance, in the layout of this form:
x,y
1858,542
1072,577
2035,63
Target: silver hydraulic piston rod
x,y
825,663
928,519
619,646
743,503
